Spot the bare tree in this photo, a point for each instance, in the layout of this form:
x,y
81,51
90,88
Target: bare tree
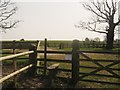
x,y
7,10
104,19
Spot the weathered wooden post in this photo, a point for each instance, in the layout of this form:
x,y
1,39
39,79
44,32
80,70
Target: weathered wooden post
x,y
15,64
14,60
45,56
119,70
75,62
33,60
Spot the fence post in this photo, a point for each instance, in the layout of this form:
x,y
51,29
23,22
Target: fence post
x,y
33,60
75,61
14,60
45,56
119,70
15,64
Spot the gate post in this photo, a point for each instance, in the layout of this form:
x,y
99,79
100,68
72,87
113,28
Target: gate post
x,y
75,61
33,60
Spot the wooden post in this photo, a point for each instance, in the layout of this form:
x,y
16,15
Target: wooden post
x,y
45,56
33,60
14,60
75,62
119,70
14,64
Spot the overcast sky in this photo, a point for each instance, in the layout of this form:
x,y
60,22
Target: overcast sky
x,y
52,20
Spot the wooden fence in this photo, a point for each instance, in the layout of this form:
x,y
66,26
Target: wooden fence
x,y
32,63
14,45
76,66
76,74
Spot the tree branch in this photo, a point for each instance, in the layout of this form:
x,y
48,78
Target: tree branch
x,y
6,12
104,7
87,26
6,26
108,7
6,17
98,6
88,7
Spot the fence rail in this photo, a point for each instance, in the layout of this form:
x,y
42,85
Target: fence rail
x,y
83,51
17,44
15,73
100,52
16,55
18,71
31,66
55,52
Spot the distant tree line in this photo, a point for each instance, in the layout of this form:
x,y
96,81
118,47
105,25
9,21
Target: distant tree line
x,y
87,43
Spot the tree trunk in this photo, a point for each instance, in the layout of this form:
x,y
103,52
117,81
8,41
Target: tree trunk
x,y
110,38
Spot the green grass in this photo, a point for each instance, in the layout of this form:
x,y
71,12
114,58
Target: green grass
x,y
98,49
70,49
116,49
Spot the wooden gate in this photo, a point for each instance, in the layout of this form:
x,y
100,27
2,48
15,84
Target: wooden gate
x,y
114,72
80,56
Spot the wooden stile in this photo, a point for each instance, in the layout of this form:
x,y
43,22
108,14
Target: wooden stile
x,y
52,73
54,66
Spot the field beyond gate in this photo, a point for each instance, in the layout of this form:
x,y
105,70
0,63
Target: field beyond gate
x,y
96,69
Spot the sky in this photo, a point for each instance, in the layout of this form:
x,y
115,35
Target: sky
x,y
50,19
